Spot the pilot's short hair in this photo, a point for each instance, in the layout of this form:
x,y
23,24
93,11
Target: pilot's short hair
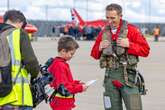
x,y
67,43
14,16
115,7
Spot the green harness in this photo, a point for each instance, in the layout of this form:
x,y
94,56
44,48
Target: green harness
x,y
114,56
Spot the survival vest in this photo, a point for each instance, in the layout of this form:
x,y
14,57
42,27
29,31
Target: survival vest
x,y
113,56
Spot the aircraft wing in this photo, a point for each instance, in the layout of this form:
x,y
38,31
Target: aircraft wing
x,y
96,23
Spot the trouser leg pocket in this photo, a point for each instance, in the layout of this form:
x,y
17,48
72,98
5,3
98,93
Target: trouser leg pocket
x,y
107,101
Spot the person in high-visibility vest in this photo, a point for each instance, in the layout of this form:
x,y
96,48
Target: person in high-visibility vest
x,y
23,62
156,33
30,36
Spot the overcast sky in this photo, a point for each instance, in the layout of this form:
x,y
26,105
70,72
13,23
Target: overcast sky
x,y
133,10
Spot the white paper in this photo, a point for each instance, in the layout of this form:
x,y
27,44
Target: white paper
x,y
88,83
49,90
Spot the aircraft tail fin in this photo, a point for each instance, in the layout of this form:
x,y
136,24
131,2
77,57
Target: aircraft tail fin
x,y
75,15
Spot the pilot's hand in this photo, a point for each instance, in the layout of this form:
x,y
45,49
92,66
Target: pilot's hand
x,y
104,44
123,42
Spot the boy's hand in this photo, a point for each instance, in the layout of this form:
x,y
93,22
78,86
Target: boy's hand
x,y
85,87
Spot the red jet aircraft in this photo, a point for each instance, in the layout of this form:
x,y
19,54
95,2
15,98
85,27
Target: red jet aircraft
x,y
95,23
78,27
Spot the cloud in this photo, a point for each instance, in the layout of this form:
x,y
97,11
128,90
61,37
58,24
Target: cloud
x,y
142,17
58,14
35,13
161,11
159,4
135,4
52,3
106,2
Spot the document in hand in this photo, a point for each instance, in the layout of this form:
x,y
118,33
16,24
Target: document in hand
x,y
88,83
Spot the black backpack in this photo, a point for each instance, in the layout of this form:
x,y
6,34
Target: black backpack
x,y
5,64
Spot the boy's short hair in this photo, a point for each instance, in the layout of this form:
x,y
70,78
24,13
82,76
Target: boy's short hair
x,y
15,16
67,43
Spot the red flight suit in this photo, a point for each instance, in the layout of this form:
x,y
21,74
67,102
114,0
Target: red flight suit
x,y
138,45
62,75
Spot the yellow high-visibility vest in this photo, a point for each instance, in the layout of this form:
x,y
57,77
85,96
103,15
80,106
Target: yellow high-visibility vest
x,y
30,36
20,94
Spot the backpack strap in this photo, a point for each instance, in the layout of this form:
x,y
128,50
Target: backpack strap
x,y
5,57
3,36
